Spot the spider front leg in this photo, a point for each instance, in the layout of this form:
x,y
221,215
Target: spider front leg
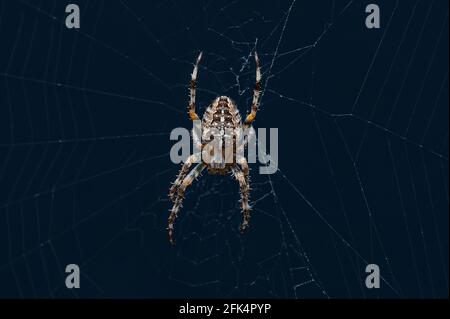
x,y
178,201
256,95
192,90
194,158
242,176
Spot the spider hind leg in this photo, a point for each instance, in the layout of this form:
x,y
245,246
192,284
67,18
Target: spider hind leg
x,y
256,95
192,90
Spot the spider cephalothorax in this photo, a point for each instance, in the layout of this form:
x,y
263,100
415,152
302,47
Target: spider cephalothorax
x,y
222,123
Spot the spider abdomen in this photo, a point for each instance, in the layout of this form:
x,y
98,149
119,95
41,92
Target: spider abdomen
x,y
221,125
222,113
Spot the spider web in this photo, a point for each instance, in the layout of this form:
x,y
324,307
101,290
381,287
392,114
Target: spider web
x,y
363,166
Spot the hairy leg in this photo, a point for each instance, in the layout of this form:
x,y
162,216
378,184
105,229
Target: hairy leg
x,y
178,201
192,90
242,176
256,94
194,158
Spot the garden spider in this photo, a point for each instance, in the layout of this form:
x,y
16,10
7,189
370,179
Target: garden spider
x,y
221,116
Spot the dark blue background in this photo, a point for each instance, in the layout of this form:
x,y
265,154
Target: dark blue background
x,y
85,117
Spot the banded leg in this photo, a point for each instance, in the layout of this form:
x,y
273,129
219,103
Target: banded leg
x,y
194,158
192,90
256,95
242,177
193,174
246,170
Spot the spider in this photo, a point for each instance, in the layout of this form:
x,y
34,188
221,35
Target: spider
x,y
220,116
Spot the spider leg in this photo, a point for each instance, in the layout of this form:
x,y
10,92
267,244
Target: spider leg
x,y
242,176
192,90
194,158
256,94
193,174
